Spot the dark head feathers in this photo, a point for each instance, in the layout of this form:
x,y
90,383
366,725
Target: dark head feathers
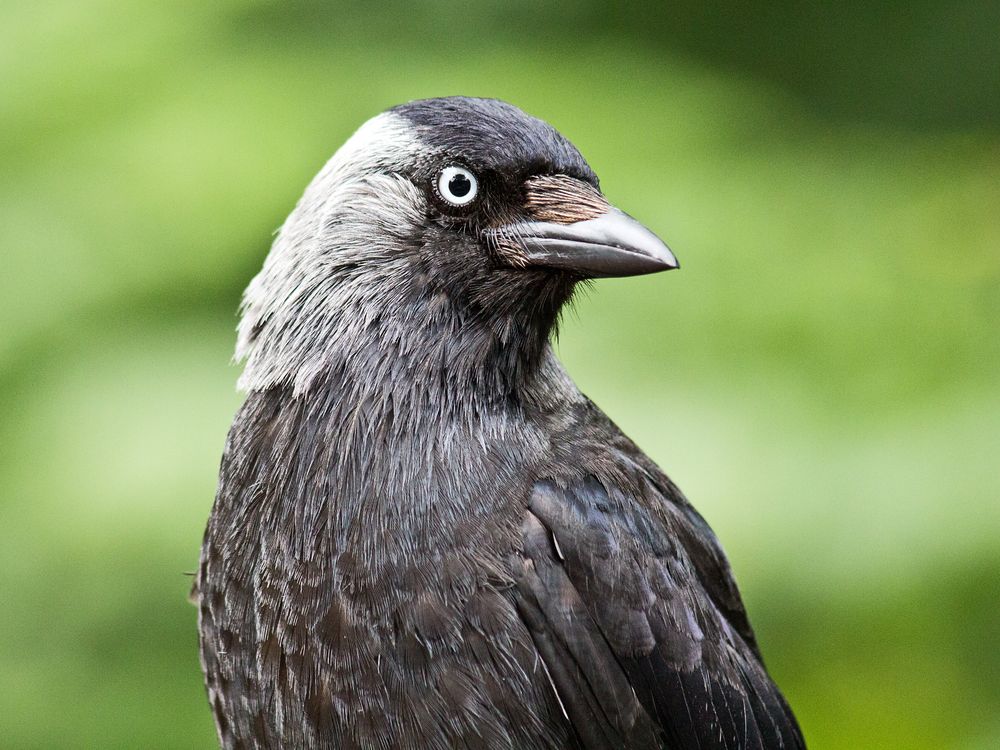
x,y
490,134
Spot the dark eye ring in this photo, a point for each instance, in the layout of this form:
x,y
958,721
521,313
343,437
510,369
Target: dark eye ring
x,y
457,185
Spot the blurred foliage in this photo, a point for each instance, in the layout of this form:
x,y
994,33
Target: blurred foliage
x,y
821,377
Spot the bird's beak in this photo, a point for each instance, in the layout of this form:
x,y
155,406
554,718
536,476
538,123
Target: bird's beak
x,y
612,244
608,242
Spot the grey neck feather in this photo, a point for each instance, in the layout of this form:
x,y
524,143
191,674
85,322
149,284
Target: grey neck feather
x,y
335,254
339,294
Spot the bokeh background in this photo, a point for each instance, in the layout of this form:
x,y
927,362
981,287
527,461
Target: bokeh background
x,y
821,377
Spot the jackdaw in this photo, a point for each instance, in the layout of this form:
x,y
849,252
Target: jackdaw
x,y
424,535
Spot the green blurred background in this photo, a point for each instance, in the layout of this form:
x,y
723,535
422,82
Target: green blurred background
x,y
820,377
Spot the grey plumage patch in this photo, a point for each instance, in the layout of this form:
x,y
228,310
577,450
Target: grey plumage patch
x,y
334,254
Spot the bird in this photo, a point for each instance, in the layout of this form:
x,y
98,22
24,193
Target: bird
x,y
424,534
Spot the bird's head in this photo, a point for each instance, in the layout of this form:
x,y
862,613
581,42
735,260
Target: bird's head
x,y
443,220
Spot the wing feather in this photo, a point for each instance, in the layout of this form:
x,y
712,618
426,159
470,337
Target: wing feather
x,y
632,606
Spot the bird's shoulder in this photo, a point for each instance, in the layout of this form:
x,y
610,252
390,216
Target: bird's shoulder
x,y
633,605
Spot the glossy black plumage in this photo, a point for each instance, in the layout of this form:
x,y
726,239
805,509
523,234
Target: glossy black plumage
x,y
439,542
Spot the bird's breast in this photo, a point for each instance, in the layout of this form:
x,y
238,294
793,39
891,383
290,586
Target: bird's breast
x,y
355,584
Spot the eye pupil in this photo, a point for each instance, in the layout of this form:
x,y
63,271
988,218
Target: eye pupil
x,y
459,185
